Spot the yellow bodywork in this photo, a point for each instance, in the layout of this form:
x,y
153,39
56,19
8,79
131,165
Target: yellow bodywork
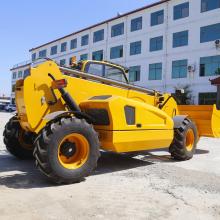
x,y
155,131
33,93
154,127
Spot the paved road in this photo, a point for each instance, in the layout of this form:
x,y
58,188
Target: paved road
x,y
150,186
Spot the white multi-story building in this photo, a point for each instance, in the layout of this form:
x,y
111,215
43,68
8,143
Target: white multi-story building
x,y
167,45
18,72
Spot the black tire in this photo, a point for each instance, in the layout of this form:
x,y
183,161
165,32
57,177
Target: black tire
x,y
47,149
20,147
179,149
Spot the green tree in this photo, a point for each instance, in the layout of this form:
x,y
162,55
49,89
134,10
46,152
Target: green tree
x,y
217,72
184,98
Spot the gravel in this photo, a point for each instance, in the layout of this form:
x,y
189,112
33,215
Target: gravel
x,y
146,186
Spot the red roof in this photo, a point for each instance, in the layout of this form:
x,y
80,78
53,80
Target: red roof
x,y
103,22
215,81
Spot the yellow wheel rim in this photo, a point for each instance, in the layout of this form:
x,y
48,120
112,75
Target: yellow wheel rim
x,y
190,140
73,151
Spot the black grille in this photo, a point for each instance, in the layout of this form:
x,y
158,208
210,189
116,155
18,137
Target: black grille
x,y
99,116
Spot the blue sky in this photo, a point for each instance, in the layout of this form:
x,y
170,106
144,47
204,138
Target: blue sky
x,y
25,24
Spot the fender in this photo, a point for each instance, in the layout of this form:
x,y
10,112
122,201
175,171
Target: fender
x,y
60,114
55,115
178,120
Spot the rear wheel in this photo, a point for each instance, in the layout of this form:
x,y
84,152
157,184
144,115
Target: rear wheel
x,y
17,141
185,140
67,151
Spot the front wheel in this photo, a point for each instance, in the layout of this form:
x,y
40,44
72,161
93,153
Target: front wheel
x,y
67,151
185,141
18,142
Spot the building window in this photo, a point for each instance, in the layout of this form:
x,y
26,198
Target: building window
x,y
117,30
98,35
180,39
62,62
97,55
26,73
33,56
85,40
19,74
136,24
157,18
53,50
181,11
134,73
207,5
210,33
14,75
63,47
84,56
156,43
13,88
42,53
116,52
155,71
135,48
70,61
179,69
208,98
210,66
73,44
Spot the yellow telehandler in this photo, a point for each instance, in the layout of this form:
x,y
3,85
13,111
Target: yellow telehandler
x,y
66,115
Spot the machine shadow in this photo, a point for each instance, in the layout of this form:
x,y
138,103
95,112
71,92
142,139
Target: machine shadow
x,y
23,173
200,151
20,174
111,162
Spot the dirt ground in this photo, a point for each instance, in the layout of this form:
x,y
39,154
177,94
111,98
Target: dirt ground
x,y
148,186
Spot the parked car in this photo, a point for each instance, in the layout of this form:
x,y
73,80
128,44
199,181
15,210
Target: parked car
x,y
10,108
2,106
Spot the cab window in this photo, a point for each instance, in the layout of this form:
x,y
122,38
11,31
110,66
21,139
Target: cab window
x,y
95,69
106,71
114,73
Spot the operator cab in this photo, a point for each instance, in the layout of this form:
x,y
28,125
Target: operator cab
x,y
106,70
103,69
